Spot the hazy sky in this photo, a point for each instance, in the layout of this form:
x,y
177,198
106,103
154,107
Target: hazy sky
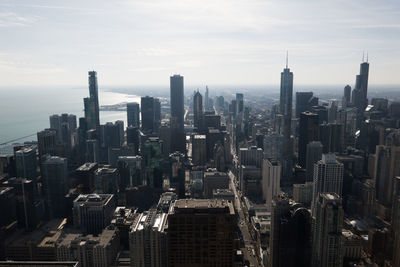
x,y
215,42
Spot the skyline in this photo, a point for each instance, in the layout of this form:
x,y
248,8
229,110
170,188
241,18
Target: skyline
x,y
241,42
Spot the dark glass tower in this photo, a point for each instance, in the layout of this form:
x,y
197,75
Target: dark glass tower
x,y
132,110
147,104
177,113
308,131
359,96
285,108
198,111
303,102
92,103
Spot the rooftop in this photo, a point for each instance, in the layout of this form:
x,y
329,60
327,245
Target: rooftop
x,y
202,206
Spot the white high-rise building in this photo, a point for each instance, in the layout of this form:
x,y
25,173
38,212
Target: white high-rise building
x,y
271,178
147,240
327,231
328,177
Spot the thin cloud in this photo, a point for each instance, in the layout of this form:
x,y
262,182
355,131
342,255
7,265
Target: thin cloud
x,y
11,19
378,26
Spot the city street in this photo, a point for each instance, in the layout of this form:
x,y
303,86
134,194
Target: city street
x,y
248,251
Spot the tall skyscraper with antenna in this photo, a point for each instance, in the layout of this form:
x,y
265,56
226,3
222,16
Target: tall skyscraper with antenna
x,y
360,91
285,108
92,103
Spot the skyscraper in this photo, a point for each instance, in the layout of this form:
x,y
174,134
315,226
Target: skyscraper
x,y
285,108
47,141
148,114
239,103
314,154
55,186
26,164
328,178
271,178
396,222
303,102
198,111
92,103
177,113
346,96
290,234
327,231
148,240
201,233
308,131
359,95
132,110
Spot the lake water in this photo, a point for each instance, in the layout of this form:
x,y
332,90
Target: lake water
x,y
24,112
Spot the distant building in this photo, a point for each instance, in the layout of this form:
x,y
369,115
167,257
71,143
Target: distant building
x,y
85,175
251,156
304,102
198,111
177,113
201,233
92,213
346,101
148,240
26,163
91,103
133,114
106,180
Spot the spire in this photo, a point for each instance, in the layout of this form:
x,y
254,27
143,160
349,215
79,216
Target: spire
x,y
367,56
363,57
287,58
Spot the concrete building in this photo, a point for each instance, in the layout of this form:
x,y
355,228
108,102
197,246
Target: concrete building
x,y
148,240
271,178
201,233
327,232
214,180
199,150
328,178
89,250
251,156
93,212
302,193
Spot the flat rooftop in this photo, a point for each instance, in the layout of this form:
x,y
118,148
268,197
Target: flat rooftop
x,y
202,206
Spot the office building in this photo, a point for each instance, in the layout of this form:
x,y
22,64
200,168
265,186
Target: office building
x,y
132,138
328,178
113,134
290,234
304,102
100,250
55,185
93,212
201,233
148,239
91,103
47,142
130,169
8,206
85,177
273,146
26,164
327,232
271,179
24,202
251,156
302,193
150,114
346,101
396,222
331,136
106,180
132,110
360,91
308,132
178,137
199,150
213,181
198,111
314,154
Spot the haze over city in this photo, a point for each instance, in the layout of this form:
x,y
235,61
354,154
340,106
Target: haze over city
x,y
141,43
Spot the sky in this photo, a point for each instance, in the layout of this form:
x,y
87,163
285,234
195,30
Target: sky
x,y
214,42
